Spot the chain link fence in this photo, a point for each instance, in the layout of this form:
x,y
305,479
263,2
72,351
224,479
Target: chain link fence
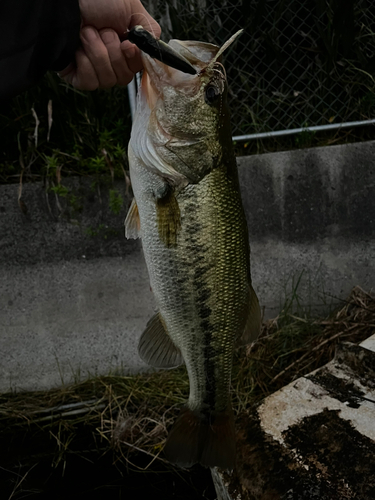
x,y
298,64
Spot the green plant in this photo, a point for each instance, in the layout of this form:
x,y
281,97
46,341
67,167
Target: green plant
x,y
96,165
83,125
60,190
92,232
115,201
305,138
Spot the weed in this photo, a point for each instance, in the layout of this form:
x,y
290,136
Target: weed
x,y
115,201
60,190
96,165
92,232
305,138
102,231
84,124
74,202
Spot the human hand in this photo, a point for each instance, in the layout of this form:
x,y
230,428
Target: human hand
x,y
103,60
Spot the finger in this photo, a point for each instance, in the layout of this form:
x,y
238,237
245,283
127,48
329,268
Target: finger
x,y
85,77
117,59
132,55
97,53
81,75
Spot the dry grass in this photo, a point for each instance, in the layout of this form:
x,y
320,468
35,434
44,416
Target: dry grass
x,y
291,346
131,415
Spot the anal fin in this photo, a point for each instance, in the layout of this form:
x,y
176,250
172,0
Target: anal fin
x,y
253,321
156,347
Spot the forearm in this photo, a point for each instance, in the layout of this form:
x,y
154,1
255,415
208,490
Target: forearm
x,y
35,36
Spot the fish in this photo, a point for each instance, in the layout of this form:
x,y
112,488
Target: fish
x,y
187,209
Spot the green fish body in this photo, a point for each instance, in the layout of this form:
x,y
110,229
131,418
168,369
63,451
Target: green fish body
x,y
189,214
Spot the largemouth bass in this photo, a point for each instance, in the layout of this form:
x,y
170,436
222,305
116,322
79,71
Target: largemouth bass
x,y
187,209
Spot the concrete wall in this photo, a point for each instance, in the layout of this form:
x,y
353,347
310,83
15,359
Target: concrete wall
x,y
74,294
311,213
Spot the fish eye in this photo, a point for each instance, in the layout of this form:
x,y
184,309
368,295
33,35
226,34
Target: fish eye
x,y
211,94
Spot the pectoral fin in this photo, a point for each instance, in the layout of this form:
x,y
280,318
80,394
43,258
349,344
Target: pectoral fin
x,y
169,218
132,222
156,347
253,320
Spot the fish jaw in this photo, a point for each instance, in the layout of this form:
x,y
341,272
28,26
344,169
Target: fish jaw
x,y
162,76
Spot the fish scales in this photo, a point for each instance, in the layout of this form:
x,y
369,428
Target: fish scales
x,y
203,259
195,243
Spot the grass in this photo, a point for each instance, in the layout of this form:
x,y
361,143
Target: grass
x,y
53,131
291,346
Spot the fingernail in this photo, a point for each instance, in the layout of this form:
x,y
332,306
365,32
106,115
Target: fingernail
x,y
108,36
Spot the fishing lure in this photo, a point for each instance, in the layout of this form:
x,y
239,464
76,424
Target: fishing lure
x,y
159,50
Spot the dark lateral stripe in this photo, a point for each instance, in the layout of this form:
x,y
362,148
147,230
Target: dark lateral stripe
x,y
204,312
201,283
209,368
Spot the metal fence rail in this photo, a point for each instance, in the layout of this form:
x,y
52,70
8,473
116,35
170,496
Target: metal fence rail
x,y
299,63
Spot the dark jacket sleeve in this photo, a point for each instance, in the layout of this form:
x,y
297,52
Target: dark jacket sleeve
x,y
35,36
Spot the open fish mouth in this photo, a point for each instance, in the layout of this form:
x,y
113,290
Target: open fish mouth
x,y
159,75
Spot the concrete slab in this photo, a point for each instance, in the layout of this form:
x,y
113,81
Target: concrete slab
x,y
309,396
369,343
313,439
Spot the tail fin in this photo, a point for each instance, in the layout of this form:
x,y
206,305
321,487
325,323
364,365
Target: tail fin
x,y
208,440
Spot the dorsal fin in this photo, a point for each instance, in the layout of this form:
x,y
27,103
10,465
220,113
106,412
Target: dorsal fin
x,y
225,46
